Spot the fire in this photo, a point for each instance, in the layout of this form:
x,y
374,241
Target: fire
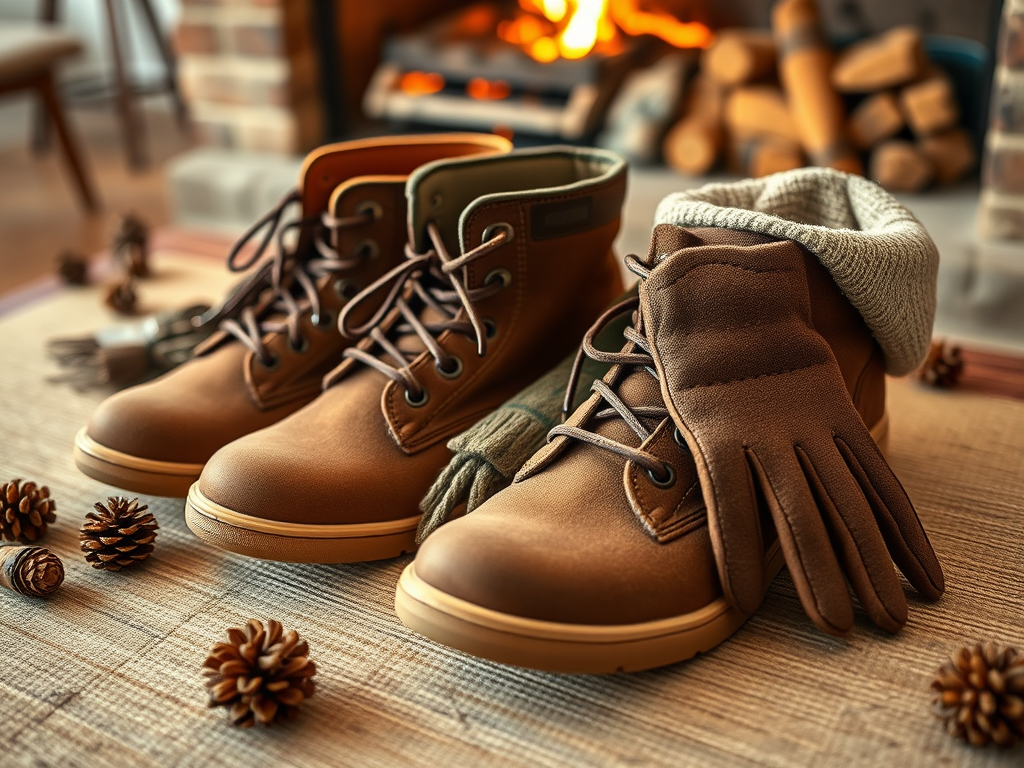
x,y
421,83
570,29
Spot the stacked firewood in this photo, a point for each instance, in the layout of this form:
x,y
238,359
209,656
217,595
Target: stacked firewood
x,y
763,113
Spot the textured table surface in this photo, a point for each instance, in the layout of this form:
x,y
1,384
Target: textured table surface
x,y
107,671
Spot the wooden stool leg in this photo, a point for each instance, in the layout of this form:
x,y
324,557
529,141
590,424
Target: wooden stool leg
x,y
168,56
49,98
129,125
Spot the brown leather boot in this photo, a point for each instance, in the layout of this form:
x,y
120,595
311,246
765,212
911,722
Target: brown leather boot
x,y
279,336
600,556
509,261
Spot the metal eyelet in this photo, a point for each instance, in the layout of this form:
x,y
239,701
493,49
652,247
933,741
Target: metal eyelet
x,y
494,229
322,321
666,482
371,207
368,249
271,363
677,435
303,347
345,289
490,327
499,275
454,373
424,396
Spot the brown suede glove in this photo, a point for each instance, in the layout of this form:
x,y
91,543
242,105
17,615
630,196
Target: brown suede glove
x,y
760,401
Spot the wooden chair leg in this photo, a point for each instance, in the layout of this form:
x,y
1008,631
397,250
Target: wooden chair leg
x,y
168,56
130,127
48,13
48,94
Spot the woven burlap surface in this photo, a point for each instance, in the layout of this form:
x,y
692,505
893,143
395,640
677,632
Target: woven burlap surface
x,y
107,671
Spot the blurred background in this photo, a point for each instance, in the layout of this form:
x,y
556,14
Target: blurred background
x,y
194,115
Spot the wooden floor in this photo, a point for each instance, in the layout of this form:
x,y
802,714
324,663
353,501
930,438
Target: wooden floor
x,y
107,672
40,215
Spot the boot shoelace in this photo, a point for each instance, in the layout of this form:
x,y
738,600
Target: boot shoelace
x,y
661,473
282,311
438,281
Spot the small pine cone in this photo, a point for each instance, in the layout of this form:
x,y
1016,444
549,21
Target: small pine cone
x,y
942,367
261,674
980,695
25,511
30,571
131,246
121,297
72,268
118,535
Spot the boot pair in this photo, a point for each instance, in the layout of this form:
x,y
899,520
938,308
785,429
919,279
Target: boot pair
x,y
737,431
433,278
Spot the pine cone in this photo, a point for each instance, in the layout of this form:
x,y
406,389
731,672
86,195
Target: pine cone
x,y
72,268
980,695
121,297
25,511
942,367
118,535
131,246
261,674
30,571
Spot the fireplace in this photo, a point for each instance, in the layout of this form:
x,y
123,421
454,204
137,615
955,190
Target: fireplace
x,y
541,68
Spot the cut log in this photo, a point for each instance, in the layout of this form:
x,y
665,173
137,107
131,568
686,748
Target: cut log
x,y
952,156
805,64
930,106
900,166
875,119
692,145
758,156
740,56
885,61
760,110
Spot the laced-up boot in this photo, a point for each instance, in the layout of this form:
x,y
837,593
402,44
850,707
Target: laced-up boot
x,y
277,333
732,435
509,261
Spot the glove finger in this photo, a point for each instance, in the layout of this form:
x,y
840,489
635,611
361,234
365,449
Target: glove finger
x,y
904,536
734,526
809,555
855,533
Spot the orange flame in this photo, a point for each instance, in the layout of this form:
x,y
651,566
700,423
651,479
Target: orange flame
x,y
421,83
570,29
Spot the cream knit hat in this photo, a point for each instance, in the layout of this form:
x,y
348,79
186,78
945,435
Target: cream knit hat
x,y
880,255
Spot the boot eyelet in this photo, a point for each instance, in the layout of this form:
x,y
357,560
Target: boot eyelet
x,y
663,482
371,207
367,249
302,348
322,321
677,435
502,276
456,370
493,230
345,289
270,363
417,403
491,328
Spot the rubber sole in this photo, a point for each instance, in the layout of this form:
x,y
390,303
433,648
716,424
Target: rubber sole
x,y
297,542
571,648
133,473
575,648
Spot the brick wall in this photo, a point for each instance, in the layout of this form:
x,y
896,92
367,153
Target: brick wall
x,y
249,74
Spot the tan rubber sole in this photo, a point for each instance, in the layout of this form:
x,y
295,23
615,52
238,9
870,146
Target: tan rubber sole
x,y
133,473
575,648
572,648
297,542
